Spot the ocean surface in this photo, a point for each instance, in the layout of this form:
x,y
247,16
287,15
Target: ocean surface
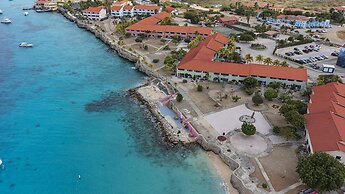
x,y
64,112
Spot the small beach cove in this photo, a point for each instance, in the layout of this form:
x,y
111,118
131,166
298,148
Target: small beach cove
x,y
47,135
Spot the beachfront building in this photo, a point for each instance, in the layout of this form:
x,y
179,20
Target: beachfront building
x,y
298,21
147,9
149,26
325,120
95,13
200,63
131,11
46,4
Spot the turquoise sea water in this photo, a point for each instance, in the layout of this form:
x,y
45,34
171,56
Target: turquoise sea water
x,y
64,112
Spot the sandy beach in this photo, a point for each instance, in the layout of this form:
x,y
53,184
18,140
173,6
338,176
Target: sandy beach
x,y
222,170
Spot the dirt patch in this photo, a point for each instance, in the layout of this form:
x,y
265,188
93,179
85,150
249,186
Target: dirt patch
x,y
341,35
257,176
280,167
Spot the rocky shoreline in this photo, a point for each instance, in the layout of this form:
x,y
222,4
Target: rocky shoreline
x,y
241,169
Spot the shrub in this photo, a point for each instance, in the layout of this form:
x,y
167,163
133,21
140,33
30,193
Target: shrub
x,y
155,60
199,88
264,185
166,48
276,130
257,99
248,129
179,97
184,81
249,91
146,47
235,98
138,40
270,94
250,82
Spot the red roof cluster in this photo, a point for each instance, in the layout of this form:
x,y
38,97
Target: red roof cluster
x,y
293,17
94,9
325,120
150,24
201,57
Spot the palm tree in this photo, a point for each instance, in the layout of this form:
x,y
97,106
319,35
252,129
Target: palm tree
x,y
284,64
276,62
268,61
248,58
259,58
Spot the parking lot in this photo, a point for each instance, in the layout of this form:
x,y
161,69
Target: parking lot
x,y
308,53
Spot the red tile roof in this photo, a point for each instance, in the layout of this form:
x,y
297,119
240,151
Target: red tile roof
x,y
340,8
147,7
150,24
193,61
227,19
94,9
293,17
116,8
271,32
169,9
325,120
128,7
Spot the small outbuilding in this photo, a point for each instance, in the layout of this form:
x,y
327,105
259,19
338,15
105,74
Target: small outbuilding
x,y
328,68
231,20
272,34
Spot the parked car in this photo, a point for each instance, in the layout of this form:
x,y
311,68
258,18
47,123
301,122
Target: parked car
x,y
335,53
324,56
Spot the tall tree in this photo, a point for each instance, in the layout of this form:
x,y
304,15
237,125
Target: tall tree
x,y
248,57
321,171
268,61
276,62
259,58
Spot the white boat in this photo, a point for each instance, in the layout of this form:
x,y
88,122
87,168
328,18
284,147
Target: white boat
x,y
25,44
6,21
0,11
26,13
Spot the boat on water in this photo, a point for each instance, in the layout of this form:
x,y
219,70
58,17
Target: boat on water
x,y
6,21
26,13
43,10
25,44
1,11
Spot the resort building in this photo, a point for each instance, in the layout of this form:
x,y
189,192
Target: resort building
x,y
131,11
325,120
226,21
95,13
150,27
298,21
200,63
46,4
